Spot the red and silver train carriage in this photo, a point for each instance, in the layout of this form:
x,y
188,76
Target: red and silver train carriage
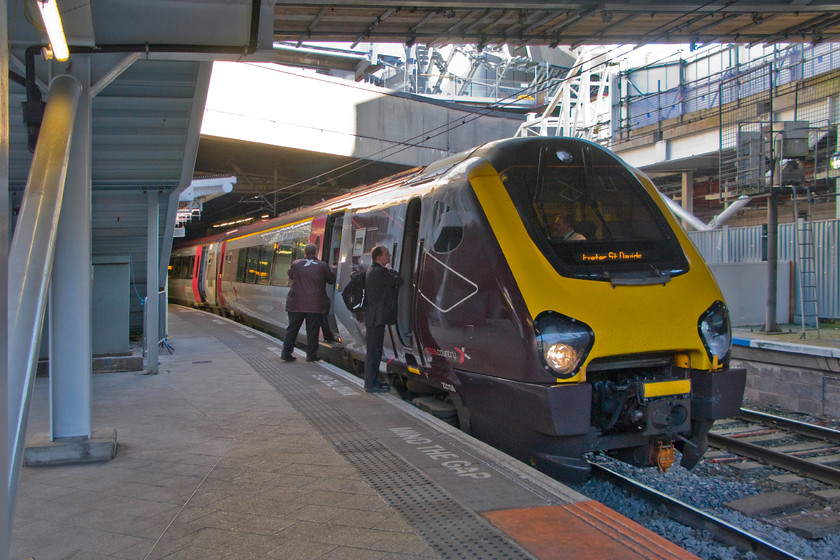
x,y
615,339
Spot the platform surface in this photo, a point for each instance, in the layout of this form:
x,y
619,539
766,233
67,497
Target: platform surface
x,y
791,339
231,453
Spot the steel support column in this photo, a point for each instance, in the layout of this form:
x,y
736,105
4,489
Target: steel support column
x,y
70,288
5,519
31,259
151,310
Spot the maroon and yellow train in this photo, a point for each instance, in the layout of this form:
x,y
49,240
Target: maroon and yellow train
x,y
613,339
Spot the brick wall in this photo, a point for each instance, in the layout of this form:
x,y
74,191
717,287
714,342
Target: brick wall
x,y
794,382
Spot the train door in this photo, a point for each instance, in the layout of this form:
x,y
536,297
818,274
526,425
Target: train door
x,y
332,238
210,275
407,266
330,249
201,258
220,300
196,272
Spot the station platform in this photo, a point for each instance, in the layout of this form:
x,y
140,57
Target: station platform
x,y
228,452
791,339
790,370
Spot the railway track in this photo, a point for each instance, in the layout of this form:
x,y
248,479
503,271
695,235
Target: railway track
x,y
803,458
681,512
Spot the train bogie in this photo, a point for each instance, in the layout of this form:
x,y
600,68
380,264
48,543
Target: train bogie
x,y
549,298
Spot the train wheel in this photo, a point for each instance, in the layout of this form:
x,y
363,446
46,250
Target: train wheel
x,y
354,366
463,412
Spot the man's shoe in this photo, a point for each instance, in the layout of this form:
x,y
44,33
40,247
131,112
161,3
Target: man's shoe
x,y
288,358
379,388
315,359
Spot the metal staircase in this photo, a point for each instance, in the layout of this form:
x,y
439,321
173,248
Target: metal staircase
x,y
806,268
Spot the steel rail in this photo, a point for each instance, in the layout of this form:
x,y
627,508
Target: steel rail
x,y
683,513
802,428
823,473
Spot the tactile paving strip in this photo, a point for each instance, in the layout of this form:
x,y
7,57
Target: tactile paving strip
x,y
447,527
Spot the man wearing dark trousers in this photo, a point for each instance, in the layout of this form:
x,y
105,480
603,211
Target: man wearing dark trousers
x,y
308,301
381,286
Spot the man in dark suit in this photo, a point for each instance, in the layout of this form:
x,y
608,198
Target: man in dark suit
x,y
381,286
307,300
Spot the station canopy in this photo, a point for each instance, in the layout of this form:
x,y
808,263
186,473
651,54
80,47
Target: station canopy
x,y
558,23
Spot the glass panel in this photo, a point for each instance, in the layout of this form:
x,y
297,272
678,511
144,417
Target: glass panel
x,y
264,268
589,213
282,260
241,265
252,266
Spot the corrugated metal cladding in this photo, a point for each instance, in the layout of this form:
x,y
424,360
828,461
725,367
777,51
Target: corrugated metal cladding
x,y
734,245
119,226
140,129
140,125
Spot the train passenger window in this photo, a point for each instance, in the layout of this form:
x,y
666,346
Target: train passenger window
x,y
264,265
252,266
241,265
449,231
183,266
282,260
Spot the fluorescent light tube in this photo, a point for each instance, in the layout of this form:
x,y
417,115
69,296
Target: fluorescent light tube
x,y
55,31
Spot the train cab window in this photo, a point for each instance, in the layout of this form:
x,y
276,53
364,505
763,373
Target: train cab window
x,y
588,212
282,260
448,232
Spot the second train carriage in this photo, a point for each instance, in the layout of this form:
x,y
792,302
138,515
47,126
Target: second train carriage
x,y
547,348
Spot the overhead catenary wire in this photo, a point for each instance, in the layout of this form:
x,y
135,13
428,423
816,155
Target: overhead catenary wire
x,y
418,140
412,142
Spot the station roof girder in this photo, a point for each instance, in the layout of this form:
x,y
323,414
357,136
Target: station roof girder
x,y
552,23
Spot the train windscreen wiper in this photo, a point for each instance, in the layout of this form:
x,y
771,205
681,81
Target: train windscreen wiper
x,y
637,278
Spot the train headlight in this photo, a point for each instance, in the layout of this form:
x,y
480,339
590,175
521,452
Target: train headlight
x,y
563,343
715,332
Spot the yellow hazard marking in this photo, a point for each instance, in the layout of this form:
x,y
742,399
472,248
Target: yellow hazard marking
x,y
662,388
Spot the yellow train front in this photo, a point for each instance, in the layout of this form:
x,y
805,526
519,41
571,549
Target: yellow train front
x,y
558,305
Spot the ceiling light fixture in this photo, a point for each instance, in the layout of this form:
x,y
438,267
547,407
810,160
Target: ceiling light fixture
x,y
55,31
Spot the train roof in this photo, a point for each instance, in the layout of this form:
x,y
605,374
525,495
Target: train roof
x,y
376,194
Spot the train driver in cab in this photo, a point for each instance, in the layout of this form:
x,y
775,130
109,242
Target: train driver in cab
x,y
562,230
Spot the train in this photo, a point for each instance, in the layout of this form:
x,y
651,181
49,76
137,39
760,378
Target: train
x,y
549,347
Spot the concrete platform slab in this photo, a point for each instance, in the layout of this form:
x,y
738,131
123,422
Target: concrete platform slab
x,y
786,478
747,465
831,496
815,527
231,453
40,451
767,504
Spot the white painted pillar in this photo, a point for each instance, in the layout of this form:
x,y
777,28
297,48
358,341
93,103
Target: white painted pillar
x,y
31,257
152,257
70,288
